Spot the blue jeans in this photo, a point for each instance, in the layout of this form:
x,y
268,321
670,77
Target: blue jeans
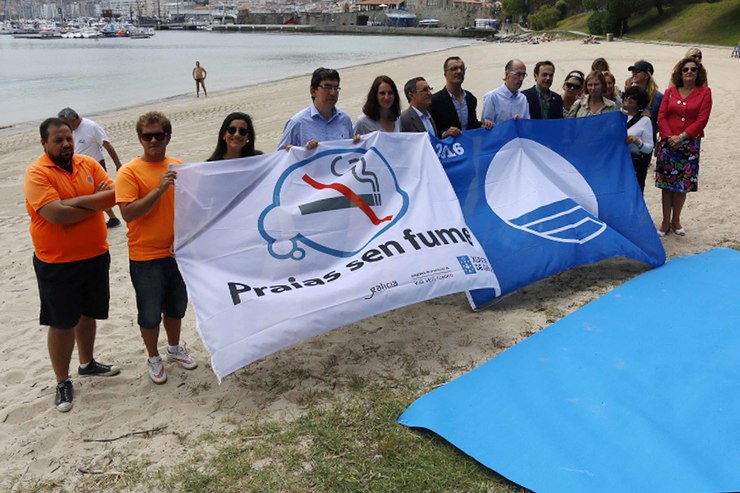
x,y
160,290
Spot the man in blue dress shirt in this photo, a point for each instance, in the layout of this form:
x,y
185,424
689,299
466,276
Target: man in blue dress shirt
x,y
506,102
321,121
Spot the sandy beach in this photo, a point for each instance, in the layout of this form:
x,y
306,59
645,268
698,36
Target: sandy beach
x,y
442,336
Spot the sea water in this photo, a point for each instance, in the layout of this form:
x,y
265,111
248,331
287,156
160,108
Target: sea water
x,y
40,77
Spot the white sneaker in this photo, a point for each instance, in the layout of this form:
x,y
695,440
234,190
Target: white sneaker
x,y
156,370
181,356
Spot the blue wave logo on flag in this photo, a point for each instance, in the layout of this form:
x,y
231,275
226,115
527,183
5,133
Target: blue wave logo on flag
x,y
543,196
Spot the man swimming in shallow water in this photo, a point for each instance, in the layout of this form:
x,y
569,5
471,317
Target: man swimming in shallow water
x,y
200,74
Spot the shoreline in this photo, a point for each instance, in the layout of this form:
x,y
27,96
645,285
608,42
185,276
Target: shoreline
x,y
25,124
442,337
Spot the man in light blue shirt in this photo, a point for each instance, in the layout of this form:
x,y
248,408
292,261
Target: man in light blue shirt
x,y
321,121
506,102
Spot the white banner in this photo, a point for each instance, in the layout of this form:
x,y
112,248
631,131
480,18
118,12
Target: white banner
x,y
277,248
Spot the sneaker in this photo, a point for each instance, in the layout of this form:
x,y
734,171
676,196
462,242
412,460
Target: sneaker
x,y
156,370
63,399
113,222
99,369
181,356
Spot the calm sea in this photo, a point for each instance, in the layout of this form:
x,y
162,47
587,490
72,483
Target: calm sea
x,y
39,77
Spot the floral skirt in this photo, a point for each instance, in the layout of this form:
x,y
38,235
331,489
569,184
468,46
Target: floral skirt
x,y
677,170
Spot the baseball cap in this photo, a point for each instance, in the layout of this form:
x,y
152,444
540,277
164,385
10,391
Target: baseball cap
x,y
642,66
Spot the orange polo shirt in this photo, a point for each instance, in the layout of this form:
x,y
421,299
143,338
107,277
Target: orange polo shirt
x,y
150,237
45,182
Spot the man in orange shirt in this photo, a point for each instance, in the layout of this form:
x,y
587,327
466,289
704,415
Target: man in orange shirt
x,y
147,201
65,196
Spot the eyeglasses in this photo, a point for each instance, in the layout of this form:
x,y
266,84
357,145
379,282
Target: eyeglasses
x,y
426,89
697,57
329,87
637,71
456,68
242,130
571,86
523,75
158,136
689,69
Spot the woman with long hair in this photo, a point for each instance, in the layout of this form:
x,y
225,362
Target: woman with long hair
x,y
235,138
596,103
642,76
611,89
572,89
381,109
683,115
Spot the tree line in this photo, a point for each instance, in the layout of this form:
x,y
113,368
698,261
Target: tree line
x,y
607,16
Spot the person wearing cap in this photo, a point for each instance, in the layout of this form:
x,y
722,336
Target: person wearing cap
x,y
684,114
639,132
572,89
642,76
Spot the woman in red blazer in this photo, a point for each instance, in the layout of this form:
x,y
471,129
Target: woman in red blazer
x,y
684,112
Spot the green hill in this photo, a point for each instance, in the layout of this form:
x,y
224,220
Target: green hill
x,y
716,23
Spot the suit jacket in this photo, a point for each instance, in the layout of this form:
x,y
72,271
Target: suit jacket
x,y
556,104
444,114
410,122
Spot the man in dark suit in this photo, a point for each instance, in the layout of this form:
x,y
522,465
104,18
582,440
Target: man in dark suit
x,y
543,103
453,108
417,118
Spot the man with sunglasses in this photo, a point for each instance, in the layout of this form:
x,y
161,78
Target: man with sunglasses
x,y
147,201
544,104
322,120
453,108
65,196
506,102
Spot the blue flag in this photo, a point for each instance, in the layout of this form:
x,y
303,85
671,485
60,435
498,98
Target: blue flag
x,y
543,196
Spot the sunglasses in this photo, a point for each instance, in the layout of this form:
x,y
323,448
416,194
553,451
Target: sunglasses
x,y
571,86
158,136
689,69
232,130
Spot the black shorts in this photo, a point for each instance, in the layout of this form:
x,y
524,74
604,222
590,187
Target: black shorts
x,y
72,289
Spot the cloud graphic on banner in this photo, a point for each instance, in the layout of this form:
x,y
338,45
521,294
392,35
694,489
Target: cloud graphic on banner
x,y
354,190
534,189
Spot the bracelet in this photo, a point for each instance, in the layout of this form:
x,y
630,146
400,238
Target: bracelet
x,y
639,146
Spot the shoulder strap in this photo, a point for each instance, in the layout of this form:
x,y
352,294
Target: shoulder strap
x,y
634,120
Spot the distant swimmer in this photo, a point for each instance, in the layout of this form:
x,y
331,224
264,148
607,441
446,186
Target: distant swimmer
x,y
199,75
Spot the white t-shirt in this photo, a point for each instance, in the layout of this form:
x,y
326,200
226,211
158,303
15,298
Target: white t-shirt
x,y
89,138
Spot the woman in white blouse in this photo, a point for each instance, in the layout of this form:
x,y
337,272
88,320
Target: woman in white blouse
x,y
639,131
381,109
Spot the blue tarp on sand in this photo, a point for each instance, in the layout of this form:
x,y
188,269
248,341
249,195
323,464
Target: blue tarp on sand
x,y
638,391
